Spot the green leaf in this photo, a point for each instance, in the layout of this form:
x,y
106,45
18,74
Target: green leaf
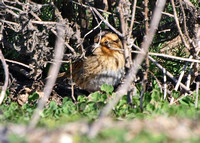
x,y
155,95
66,99
53,105
13,106
96,96
82,98
175,94
33,97
107,88
103,97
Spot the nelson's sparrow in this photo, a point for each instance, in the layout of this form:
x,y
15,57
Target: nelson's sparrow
x,y
104,65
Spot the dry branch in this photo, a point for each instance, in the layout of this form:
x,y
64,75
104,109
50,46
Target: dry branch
x,y
6,72
18,63
165,83
107,23
184,22
178,25
53,72
168,56
123,12
170,75
132,19
181,75
197,94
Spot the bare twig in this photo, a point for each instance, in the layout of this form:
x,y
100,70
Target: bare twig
x,y
6,72
158,82
21,64
13,13
88,6
165,84
197,94
98,25
178,25
146,19
171,101
53,72
146,68
10,22
132,72
170,75
107,23
189,76
14,8
181,75
168,56
124,28
197,49
132,19
72,82
184,22
168,14
188,3
44,22
54,32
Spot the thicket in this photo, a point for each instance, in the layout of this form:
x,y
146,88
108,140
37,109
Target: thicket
x,y
167,82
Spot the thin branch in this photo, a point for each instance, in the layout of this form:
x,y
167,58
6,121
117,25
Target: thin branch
x,y
184,21
18,63
72,82
197,94
14,8
124,29
124,87
158,82
86,6
146,68
13,13
132,19
146,19
170,75
165,83
44,22
189,76
178,25
6,72
53,72
168,14
98,25
10,22
181,75
54,32
107,23
168,56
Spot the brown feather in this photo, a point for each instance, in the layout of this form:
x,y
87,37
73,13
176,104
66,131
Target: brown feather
x,y
105,65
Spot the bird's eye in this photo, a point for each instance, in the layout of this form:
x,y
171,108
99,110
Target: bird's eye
x,y
106,42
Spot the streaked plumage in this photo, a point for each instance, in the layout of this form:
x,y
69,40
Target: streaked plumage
x,y
105,65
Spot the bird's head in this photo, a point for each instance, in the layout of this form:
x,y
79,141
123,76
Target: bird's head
x,y
109,43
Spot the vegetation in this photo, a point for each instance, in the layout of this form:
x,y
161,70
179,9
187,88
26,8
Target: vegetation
x,y
156,110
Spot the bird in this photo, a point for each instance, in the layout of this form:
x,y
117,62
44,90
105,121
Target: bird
x,y
105,65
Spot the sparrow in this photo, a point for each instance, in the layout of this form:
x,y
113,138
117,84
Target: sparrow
x,y
104,66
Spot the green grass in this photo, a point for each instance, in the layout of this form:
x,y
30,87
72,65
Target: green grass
x,y
90,107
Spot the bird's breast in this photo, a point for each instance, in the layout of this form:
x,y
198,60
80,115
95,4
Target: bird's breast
x,y
110,77
98,70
